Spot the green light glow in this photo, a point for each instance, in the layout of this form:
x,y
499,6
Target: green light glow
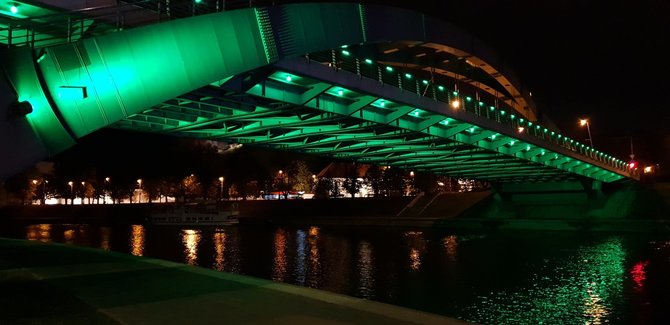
x,y
13,9
472,129
512,142
389,69
408,76
441,88
425,82
289,78
345,52
493,137
468,98
481,103
340,92
455,93
502,112
368,61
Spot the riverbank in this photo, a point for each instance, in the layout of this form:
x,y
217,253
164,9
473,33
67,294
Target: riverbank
x,y
629,208
63,284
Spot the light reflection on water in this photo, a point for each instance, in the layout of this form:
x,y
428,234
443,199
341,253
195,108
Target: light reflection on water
x,y
365,266
191,239
220,249
280,264
137,240
41,232
488,279
590,281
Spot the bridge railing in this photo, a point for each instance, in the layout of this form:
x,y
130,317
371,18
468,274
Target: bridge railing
x,y
502,114
69,26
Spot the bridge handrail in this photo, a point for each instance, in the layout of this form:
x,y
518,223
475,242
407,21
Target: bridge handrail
x,y
65,27
343,59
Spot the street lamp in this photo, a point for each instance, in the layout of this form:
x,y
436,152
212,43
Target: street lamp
x,y
71,183
584,122
139,197
221,191
104,199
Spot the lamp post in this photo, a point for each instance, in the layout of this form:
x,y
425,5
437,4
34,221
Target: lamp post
x,y
104,198
83,192
221,189
71,183
44,191
584,122
139,196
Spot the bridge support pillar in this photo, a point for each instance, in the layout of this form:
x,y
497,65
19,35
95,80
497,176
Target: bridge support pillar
x,y
560,200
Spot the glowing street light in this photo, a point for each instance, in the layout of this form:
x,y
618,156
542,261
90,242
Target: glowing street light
x,y
139,197
455,103
14,9
71,183
585,122
221,191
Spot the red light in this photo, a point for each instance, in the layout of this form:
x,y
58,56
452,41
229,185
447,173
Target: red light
x,y
632,164
639,274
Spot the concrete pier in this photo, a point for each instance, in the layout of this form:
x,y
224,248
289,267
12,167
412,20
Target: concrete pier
x,y
62,284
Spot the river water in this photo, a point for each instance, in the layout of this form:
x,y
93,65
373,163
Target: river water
x,y
501,278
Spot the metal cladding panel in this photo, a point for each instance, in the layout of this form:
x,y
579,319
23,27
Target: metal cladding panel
x,y
128,72
305,28
20,69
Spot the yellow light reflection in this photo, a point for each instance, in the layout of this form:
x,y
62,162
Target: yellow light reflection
x,y
41,232
280,265
450,245
191,239
105,243
313,277
414,259
220,249
137,240
68,236
594,309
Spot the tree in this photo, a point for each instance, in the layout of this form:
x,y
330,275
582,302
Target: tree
x,y
323,188
300,176
191,187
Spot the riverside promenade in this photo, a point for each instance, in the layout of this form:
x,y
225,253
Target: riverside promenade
x,y
46,283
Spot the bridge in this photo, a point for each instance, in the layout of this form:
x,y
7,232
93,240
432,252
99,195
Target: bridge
x,y
367,83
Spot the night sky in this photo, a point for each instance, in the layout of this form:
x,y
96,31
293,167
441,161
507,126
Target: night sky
x,y
605,60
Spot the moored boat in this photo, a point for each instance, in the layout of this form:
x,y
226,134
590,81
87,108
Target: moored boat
x,y
214,214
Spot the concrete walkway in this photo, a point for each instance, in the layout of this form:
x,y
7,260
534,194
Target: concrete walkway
x,y
62,284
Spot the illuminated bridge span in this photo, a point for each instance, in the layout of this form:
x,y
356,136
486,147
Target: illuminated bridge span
x,y
371,84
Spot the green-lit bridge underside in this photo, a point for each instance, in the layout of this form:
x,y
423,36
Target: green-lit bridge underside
x,y
287,110
241,79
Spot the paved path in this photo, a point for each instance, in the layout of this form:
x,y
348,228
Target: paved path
x,y
61,284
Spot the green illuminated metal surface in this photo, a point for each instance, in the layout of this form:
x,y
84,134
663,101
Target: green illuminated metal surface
x,y
209,77
299,113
